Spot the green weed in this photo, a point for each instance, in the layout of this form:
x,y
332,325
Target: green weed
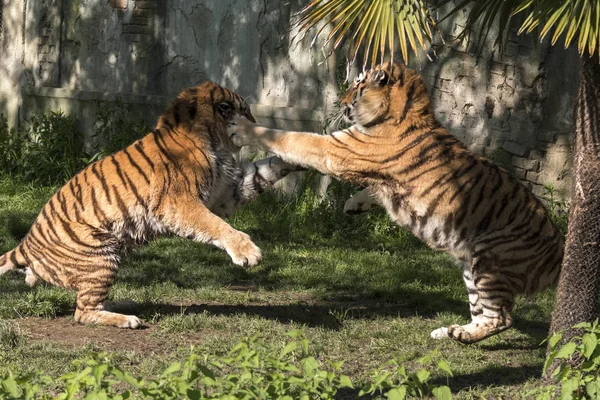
x,y
10,335
46,150
557,208
114,129
249,370
578,371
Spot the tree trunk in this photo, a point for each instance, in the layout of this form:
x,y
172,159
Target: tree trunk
x,y
579,283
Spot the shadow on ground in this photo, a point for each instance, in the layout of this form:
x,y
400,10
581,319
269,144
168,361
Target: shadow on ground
x,y
495,376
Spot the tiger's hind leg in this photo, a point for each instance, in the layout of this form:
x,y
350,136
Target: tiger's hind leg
x,y
93,290
91,275
91,260
490,302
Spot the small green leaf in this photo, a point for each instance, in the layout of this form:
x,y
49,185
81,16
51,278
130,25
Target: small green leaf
x,y
568,387
589,342
423,375
295,334
98,372
593,388
172,368
346,382
288,349
398,393
566,351
442,393
10,385
125,377
443,366
369,388
310,366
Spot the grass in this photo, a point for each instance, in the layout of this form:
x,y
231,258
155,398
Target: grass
x,y
363,290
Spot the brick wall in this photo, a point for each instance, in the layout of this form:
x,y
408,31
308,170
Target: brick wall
x,y
48,43
137,17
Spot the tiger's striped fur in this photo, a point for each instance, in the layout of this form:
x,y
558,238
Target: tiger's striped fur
x,y
434,186
179,179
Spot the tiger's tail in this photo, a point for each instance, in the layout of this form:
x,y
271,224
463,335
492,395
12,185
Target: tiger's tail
x,y
12,260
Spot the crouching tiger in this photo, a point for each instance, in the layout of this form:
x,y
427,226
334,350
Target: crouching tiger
x,y
179,179
434,186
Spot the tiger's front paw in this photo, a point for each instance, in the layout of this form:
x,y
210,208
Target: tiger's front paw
x,y
243,251
241,131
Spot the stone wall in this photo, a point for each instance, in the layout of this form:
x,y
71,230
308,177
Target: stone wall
x,y
78,54
515,109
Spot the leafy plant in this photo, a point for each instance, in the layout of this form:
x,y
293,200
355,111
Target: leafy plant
x,y
394,382
12,144
557,208
48,149
249,370
578,371
114,130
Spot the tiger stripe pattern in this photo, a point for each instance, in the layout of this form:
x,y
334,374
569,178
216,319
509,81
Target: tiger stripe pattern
x,y
179,179
431,184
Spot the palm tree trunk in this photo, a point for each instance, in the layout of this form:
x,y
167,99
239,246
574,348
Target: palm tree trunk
x,y
579,284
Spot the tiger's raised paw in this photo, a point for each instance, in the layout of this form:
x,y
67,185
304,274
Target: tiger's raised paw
x,y
243,251
241,131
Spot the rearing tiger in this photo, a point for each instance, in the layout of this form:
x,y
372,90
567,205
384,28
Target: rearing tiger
x,y
434,186
179,179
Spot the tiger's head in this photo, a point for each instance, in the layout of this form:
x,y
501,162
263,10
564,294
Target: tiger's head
x,y
388,92
206,106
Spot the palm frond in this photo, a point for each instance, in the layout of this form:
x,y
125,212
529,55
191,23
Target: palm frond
x,y
569,18
580,19
375,25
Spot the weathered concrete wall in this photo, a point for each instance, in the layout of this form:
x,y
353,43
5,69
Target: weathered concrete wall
x,y
77,54
515,109
95,50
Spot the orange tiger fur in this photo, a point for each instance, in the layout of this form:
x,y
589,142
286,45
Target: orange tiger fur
x,y
434,186
178,179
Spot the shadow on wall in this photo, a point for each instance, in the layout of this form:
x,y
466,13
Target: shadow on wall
x,y
515,109
246,46
75,54
79,54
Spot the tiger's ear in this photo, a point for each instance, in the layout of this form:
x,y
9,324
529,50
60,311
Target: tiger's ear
x,y
381,77
246,113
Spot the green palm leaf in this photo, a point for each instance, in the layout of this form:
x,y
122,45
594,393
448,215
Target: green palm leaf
x,y
569,18
580,19
376,25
